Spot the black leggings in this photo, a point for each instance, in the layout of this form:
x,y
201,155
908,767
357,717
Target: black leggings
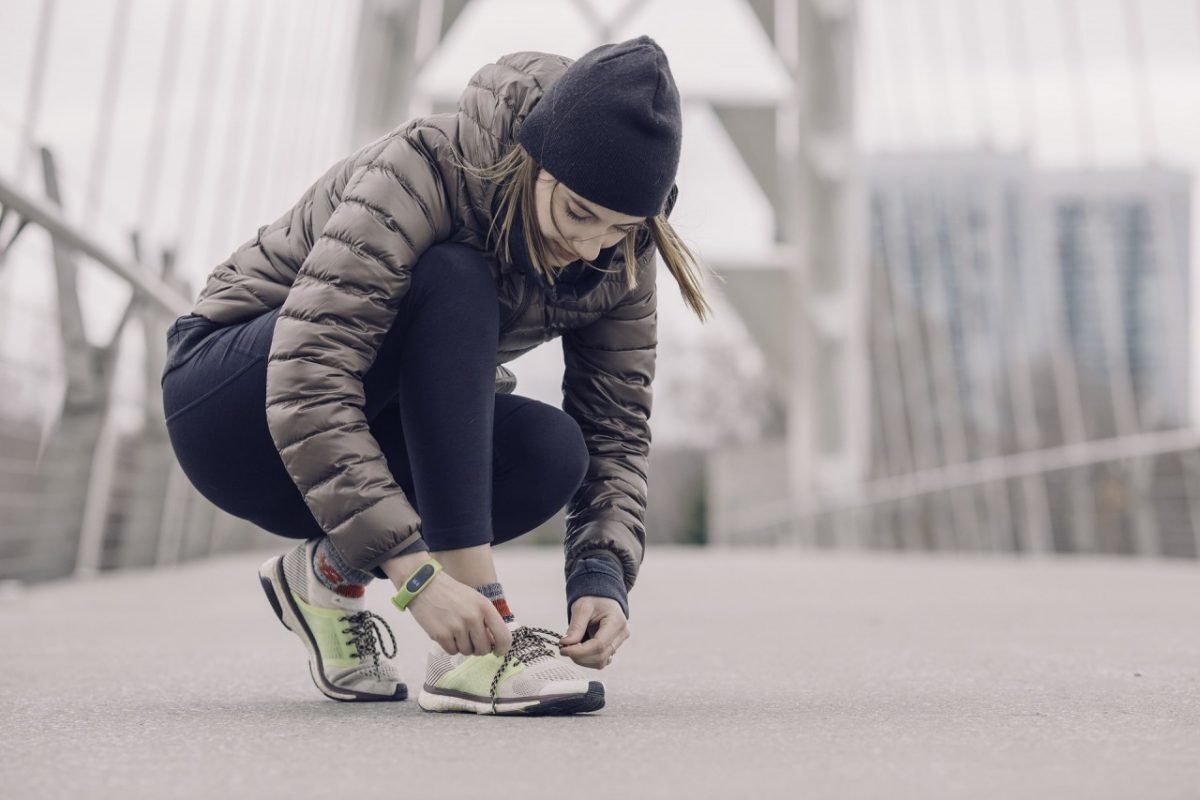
x,y
479,467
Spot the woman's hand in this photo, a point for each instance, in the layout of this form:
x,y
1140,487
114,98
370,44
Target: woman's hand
x,y
460,618
598,627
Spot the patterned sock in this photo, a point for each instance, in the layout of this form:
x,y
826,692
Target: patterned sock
x,y
335,574
495,593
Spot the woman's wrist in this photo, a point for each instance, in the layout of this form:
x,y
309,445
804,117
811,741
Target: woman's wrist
x,y
417,583
597,576
399,569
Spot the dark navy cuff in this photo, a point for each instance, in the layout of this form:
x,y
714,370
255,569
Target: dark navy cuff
x,y
597,576
415,547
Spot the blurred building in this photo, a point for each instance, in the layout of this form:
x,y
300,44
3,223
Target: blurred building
x,y
1017,313
950,262
1029,359
1120,242
1014,308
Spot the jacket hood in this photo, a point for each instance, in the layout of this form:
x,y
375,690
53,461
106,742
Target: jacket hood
x,y
500,95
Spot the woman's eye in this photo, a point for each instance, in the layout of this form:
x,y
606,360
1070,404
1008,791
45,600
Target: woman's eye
x,y
575,216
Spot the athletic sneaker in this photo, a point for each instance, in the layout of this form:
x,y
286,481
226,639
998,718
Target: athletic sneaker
x,y
343,639
531,678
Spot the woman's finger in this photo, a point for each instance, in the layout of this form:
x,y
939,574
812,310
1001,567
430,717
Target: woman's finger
x,y
622,636
501,635
481,640
596,648
586,650
581,615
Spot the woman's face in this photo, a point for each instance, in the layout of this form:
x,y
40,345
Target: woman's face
x,y
575,228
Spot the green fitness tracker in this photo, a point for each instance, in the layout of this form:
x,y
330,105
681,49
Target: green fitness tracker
x,y
420,578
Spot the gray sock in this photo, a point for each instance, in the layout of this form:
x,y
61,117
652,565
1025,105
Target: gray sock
x,y
329,567
495,593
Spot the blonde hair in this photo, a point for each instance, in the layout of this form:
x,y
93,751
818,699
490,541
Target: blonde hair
x,y
516,173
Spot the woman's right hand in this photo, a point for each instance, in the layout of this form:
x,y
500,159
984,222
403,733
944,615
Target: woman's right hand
x,y
460,618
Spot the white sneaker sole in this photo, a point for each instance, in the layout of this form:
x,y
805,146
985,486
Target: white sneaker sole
x,y
275,585
443,700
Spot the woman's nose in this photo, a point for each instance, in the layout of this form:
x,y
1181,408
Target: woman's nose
x,y
587,249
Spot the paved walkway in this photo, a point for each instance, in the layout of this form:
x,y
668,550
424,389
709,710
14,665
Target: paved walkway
x,y
804,675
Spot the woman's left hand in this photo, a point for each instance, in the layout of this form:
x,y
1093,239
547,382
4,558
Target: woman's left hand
x,y
598,627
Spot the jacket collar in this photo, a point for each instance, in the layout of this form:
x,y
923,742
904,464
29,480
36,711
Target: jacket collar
x,y
575,282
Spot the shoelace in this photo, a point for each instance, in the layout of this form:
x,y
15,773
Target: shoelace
x,y
529,644
366,636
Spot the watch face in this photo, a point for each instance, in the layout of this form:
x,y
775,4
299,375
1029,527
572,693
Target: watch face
x,y
419,578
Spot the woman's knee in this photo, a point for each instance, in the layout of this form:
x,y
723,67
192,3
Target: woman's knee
x,y
553,444
460,273
544,459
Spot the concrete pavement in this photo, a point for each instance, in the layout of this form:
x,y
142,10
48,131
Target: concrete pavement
x,y
751,673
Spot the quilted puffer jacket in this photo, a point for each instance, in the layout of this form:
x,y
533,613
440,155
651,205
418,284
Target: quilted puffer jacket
x,y
340,261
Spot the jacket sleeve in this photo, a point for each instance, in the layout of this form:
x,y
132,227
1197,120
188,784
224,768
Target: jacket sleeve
x,y
342,304
607,388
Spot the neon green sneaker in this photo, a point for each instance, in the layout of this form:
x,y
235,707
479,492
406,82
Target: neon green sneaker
x,y
531,679
343,639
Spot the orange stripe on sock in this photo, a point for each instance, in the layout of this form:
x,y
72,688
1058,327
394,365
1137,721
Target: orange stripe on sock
x,y
340,585
327,571
501,605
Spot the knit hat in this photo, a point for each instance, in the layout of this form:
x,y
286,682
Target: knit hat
x,y
610,127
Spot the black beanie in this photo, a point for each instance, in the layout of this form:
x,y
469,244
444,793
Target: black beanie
x,y
610,127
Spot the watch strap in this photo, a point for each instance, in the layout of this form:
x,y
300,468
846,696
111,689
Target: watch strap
x,y
416,583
